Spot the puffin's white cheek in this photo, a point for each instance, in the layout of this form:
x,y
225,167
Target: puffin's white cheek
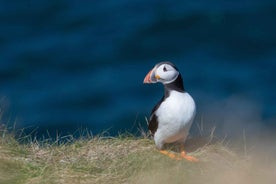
x,y
168,76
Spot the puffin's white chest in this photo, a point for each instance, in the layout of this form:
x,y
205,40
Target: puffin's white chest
x,y
175,116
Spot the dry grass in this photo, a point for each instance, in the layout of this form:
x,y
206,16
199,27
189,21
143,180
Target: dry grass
x,y
125,159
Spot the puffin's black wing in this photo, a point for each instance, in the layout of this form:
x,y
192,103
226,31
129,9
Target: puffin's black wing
x,y
153,123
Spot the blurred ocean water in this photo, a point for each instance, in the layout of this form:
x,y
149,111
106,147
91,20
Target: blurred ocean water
x,y
70,64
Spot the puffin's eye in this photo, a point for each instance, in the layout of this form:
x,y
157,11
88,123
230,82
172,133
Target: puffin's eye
x,y
165,69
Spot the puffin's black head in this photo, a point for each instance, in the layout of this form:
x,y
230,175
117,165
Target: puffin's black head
x,y
164,72
168,75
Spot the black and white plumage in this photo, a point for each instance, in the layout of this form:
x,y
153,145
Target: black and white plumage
x,y
172,117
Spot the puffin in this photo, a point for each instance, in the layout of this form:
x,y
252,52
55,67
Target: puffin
x,y
172,117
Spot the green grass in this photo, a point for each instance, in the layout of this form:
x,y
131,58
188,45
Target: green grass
x,y
123,159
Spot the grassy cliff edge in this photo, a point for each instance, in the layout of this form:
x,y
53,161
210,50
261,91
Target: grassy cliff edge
x,y
123,159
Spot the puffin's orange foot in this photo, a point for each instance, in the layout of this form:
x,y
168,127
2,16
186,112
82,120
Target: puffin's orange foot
x,y
171,155
187,157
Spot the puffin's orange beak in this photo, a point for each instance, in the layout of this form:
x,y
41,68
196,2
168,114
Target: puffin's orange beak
x,y
147,79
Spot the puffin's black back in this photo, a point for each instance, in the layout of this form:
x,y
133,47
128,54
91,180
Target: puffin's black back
x,y
153,123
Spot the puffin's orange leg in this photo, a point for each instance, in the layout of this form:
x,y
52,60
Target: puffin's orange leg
x,y
187,157
171,155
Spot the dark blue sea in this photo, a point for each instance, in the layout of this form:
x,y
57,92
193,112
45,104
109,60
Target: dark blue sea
x,y
67,65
